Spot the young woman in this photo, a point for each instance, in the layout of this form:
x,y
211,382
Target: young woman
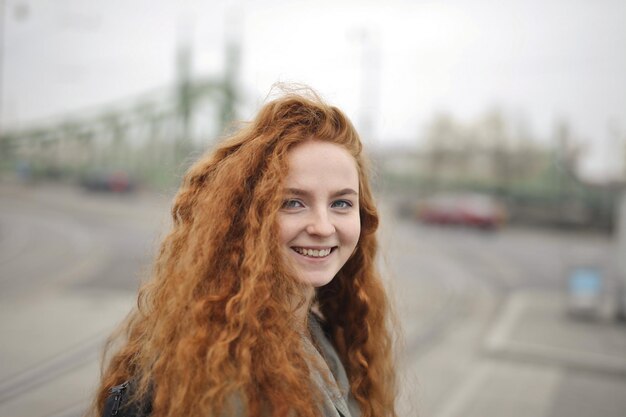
x,y
265,299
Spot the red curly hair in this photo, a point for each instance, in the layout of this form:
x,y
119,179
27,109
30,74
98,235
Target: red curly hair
x,y
215,322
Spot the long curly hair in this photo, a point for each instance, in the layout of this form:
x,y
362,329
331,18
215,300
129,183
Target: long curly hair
x,y
213,327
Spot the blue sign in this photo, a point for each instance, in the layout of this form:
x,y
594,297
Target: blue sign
x,y
585,281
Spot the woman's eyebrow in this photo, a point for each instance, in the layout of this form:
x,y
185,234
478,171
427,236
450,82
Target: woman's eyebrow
x,y
296,191
304,193
345,191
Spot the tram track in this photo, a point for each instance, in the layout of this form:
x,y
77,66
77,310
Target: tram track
x,y
50,369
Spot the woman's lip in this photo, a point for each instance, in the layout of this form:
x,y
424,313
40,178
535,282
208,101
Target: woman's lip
x,y
314,247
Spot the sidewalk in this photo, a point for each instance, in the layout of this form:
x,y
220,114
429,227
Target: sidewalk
x,y
534,360
535,327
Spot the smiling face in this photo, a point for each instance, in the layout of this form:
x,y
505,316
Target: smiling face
x,y
319,221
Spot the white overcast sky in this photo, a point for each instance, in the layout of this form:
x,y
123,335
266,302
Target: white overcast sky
x,y
545,61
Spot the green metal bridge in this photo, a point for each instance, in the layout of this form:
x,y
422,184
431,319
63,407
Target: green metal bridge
x,y
151,137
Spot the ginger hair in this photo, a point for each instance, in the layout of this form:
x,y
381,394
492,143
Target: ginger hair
x,y
214,322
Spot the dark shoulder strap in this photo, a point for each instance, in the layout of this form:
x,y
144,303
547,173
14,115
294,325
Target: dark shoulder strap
x,y
117,404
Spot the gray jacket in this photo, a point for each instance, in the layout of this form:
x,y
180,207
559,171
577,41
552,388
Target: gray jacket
x,y
338,400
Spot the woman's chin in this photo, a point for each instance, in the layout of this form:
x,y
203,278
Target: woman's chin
x,y
316,280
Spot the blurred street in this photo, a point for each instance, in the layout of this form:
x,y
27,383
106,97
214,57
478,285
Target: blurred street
x,y
486,328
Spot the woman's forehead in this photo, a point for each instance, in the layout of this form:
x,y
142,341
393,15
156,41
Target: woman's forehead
x,y
315,162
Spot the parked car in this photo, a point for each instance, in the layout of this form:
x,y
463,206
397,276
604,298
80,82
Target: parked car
x,y
475,210
108,181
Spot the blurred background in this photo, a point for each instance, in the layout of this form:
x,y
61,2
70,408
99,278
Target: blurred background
x,y
497,133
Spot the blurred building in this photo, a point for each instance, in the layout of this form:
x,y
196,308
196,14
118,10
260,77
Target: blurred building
x,y
539,181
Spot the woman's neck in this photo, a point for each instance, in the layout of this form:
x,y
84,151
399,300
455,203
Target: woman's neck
x,y
301,310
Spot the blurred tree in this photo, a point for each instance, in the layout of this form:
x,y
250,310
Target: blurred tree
x,y
442,136
492,133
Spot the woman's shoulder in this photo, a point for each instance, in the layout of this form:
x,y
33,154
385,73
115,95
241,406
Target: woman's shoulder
x,y
121,402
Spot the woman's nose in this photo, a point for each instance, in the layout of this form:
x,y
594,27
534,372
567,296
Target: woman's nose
x,y
320,224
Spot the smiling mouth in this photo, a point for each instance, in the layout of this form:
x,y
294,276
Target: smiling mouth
x,y
314,253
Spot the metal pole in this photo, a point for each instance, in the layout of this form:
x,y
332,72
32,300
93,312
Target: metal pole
x,y
621,258
2,7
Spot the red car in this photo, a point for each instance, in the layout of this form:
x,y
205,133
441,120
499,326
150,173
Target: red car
x,y
474,210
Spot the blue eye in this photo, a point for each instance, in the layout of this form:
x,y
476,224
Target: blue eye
x,y
292,204
341,204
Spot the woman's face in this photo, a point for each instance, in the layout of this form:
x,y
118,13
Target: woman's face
x,y
319,221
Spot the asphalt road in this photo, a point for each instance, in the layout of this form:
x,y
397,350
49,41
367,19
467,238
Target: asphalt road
x,y
483,314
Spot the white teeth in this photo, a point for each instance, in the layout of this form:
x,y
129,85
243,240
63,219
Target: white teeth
x,y
314,253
